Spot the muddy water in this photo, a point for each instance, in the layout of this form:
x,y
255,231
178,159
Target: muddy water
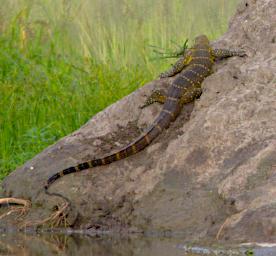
x,y
106,245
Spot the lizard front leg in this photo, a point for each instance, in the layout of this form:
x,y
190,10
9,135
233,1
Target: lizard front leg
x,y
225,53
180,64
156,96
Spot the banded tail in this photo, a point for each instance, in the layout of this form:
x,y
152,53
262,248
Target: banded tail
x,y
162,121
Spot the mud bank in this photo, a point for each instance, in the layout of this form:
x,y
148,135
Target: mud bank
x,y
211,175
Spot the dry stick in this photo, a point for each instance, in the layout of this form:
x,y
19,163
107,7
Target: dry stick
x,y
12,200
59,216
56,218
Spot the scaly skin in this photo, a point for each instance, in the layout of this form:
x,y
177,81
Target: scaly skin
x,y
185,88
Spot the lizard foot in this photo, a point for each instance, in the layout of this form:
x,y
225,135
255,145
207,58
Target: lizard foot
x,y
156,96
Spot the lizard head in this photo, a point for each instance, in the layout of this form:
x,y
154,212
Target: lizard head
x,y
201,39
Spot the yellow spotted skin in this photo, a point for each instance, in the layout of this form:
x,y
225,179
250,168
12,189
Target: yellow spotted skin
x,y
193,67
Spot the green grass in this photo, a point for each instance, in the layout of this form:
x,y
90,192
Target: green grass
x,y
63,61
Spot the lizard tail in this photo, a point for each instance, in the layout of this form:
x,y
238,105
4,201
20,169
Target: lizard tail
x,y
161,122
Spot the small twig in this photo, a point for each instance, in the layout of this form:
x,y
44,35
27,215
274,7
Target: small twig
x,y
55,219
12,200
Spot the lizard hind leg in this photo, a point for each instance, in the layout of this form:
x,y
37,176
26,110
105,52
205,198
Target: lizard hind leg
x,y
190,95
156,96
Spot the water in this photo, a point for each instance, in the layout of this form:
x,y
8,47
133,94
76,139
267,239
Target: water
x,y
103,245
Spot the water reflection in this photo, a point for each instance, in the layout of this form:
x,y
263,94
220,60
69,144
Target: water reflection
x,y
74,244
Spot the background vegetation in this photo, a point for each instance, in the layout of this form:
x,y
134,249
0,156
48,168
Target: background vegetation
x,y
62,61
